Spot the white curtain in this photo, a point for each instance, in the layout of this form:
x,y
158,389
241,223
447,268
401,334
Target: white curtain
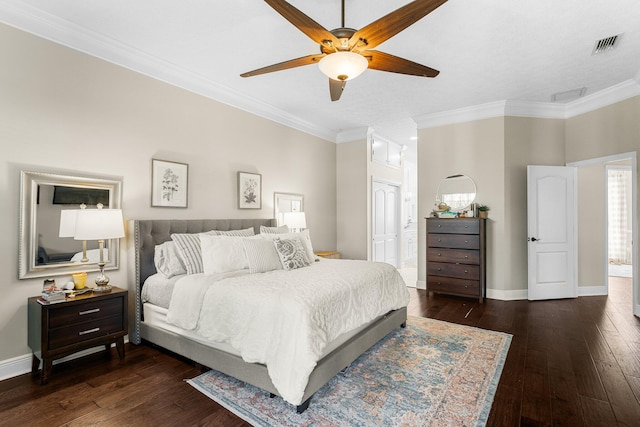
x,y
619,182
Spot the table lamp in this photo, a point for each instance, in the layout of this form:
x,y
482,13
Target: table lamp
x,y
296,221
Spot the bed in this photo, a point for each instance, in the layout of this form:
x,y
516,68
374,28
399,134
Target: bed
x,y
144,235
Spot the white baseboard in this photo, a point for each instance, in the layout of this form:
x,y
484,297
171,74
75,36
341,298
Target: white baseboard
x,y
421,284
590,291
19,365
510,295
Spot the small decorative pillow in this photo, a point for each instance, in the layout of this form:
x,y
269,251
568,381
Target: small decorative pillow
x,y
168,261
292,254
262,255
222,254
274,230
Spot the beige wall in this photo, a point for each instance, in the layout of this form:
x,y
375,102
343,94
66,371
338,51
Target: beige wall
x,y
591,226
64,110
476,149
352,195
528,141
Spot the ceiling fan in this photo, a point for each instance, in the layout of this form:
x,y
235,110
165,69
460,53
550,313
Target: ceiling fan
x,y
345,53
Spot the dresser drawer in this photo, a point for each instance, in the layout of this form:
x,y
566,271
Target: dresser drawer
x,y
454,286
459,256
456,241
88,311
457,226
79,332
462,271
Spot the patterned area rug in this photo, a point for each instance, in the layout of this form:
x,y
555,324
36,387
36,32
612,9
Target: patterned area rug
x,y
432,373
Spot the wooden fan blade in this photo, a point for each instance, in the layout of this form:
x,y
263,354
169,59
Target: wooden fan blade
x,y
385,62
292,63
335,88
390,25
311,28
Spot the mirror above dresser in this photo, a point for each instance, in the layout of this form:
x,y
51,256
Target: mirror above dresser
x,y
458,192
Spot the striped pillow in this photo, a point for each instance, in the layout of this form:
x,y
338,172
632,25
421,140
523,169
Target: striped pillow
x,y
188,245
274,230
262,255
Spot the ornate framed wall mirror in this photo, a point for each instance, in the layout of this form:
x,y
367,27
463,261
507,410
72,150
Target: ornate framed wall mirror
x,y
286,202
457,191
43,196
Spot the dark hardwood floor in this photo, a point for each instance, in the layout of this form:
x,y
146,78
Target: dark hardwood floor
x,y
571,363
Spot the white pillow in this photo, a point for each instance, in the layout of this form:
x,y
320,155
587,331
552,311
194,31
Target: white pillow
x,y
304,238
274,230
188,245
261,255
222,254
239,233
292,253
167,260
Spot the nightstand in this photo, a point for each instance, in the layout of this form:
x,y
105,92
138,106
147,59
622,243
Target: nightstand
x,y
88,320
329,254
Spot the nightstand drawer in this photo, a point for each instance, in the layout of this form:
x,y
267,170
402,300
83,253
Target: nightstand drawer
x,y
463,271
460,256
91,310
456,241
79,332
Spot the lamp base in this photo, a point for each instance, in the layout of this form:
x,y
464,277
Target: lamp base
x,y
102,288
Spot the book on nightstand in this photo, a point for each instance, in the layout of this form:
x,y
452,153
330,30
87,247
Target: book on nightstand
x,y
52,297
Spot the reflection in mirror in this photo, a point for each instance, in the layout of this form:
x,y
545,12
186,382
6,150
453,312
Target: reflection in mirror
x,y
286,202
46,247
457,191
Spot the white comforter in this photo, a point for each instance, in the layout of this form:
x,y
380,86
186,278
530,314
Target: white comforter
x,y
284,319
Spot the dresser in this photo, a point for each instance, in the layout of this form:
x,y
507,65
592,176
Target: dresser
x,y
456,256
88,320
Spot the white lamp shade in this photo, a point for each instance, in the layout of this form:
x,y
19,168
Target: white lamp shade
x,y
68,223
99,224
295,220
343,65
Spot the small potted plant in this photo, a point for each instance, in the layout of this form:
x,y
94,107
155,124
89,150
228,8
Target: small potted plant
x,y
483,211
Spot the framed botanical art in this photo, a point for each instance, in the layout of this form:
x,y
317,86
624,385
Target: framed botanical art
x,y
169,184
249,190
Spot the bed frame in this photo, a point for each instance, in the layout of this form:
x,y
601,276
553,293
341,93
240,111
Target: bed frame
x,y
144,235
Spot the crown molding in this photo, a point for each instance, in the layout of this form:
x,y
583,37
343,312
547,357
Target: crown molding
x,y
461,115
611,95
543,110
350,135
34,21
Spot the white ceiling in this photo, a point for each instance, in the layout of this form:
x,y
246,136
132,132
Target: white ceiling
x,y
486,51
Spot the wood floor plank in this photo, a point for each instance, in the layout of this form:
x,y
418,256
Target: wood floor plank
x,y
626,407
597,413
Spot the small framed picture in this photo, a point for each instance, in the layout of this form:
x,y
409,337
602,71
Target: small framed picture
x,y
169,184
249,190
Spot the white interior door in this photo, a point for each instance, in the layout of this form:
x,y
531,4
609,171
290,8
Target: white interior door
x,y
386,208
552,221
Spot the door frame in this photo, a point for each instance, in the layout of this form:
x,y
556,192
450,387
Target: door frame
x,y
398,216
634,221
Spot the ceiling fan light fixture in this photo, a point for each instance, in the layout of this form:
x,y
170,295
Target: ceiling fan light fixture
x,y
343,65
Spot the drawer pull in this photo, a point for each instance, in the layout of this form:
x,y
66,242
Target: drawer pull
x,y
89,331
439,269
439,240
439,254
94,310
439,225
466,241
466,271
466,256
466,286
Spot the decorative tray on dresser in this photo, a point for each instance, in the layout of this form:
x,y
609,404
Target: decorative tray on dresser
x,y
456,259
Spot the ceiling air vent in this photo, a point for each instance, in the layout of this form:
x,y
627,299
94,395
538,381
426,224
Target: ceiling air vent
x,y
569,95
606,44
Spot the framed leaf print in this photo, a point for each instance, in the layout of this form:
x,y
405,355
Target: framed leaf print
x,y
169,184
249,190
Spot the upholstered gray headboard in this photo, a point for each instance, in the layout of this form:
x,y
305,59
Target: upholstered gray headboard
x,y
145,234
